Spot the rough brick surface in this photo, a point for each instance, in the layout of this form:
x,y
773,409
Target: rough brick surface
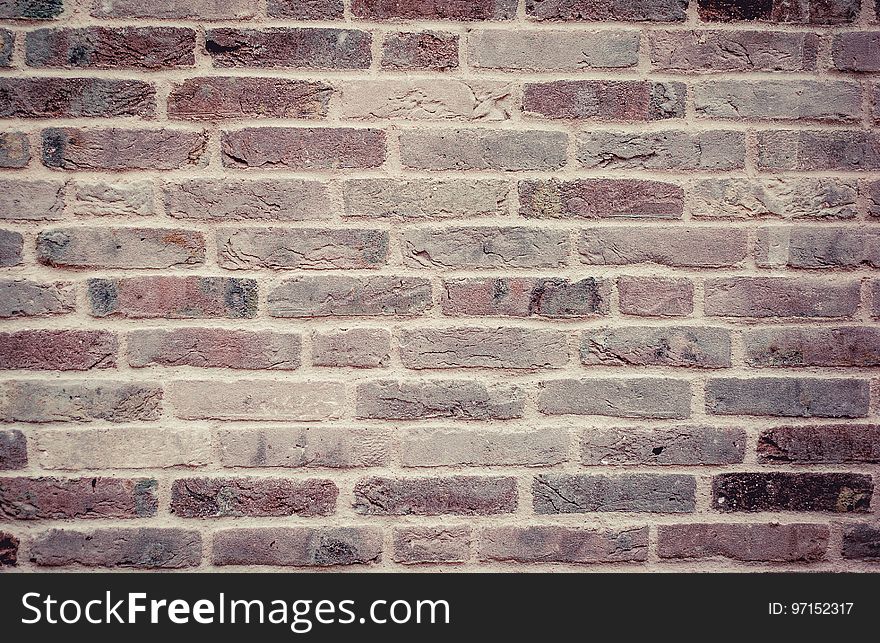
x,y
336,448
674,446
139,548
600,199
173,297
762,297
655,296
425,50
695,347
788,397
58,350
11,245
298,546
13,450
120,248
838,492
454,399
56,498
526,297
460,495
861,542
70,401
482,348
771,543
8,549
222,97
831,444
636,397
122,149
303,148
277,47
75,98
694,52
564,545
640,492
478,447
214,497
778,198
15,150
259,199
416,545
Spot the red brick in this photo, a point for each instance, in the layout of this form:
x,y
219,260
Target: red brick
x,y
219,97
355,347
348,296
202,10
303,148
79,401
434,9
459,495
8,549
764,297
15,150
306,9
13,450
835,492
666,246
120,248
301,249
600,199
623,100
762,543
562,493
142,548
420,51
857,51
655,296
319,48
589,10
24,298
525,297
812,12
555,544
260,497
298,546
823,444
58,350
818,150
697,51
75,98
150,48
79,498
785,347
421,545
11,245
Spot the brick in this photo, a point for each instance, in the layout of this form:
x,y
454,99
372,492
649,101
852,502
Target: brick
x,y
678,346
655,296
557,544
258,497
553,50
420,51
7,46
483,149
234,200
15,150
216,98
856,51
122,448
484,247
763,297
71,401
837,150
31,9
436,496
525,297
658,446
791,347
625,100
483,447
875,298
298,546
119,149
79,498
449,399
778,198
301,248
257,400
823,444
586,10
436,10
113,198
120,248
474,347
666,246
214,348
600,199
13,450
642,397
788,397
418,199
8,549
346,296
173,297
320,446
563,493
175,9
308,48
31,200
817,248
354,347
306,9
58,350
711,150
837,492
11,244
25,298
760,543
303,148
76,98
802,100
142,548
151,48
812,12
861,542
717,51
872,193
421,545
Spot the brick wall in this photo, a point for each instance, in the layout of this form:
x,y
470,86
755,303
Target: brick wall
x,y
402,284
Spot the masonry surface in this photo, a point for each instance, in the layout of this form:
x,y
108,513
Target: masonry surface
x,y
432,286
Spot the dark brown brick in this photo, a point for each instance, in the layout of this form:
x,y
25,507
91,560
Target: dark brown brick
x,y
306,9
460,495
75,98
319,48
31,9
616,10
219,97
785,347
836,492
861,542
213,497
812,12
434,9
298,546
150,48
58,350
823,444
420,51
763,543
143,548
7,45
79,498
8,549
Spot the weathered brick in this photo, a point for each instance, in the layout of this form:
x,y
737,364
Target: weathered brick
x,y
483,149
214,348
483,447
15,150
415,199
419,545
13,450
710,150
318,48
474,347
31,200
113,198
681,445
762,543
306,9
321,446
214,497
31,9
872,193
762,297
459,495
434,10
687,346
256,400
150,48
642,397
875,298
176,9
484,247
861,542
856,51
600,199
525,297
70,401
345,296
304,148
58,350
838,492
667,246
7,46
622,100
11,245
556,544
75,98
142,548
452,399
817,150
807,100
823,444
561,493
301,248
788,397
786,198
24,298
817,248
120,149
420,51
298,546
219,97
8,549
812,12
355,347
553,50
715,51
173,297
261,199
79,498
120,248
587,10
784,347
655,296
